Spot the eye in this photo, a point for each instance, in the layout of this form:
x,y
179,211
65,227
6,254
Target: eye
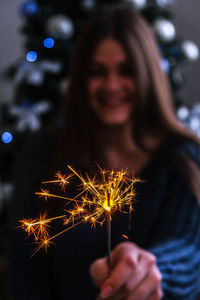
x,y
126,70
96,72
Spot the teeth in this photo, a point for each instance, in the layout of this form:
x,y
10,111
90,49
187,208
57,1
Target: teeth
x,y
112,101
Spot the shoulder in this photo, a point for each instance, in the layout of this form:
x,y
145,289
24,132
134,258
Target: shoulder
x,y
183,146
190,148
179,160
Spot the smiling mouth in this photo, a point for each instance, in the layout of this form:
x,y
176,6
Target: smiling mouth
x,y
112,103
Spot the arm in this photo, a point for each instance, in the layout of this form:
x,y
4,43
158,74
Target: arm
x,y
137,274
175,245
178,260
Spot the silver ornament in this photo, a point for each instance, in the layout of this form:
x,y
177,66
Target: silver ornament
x,y
190,50
60,26
138,4
194,123
165,3
165,30
28,118
164,64
88,5
183,113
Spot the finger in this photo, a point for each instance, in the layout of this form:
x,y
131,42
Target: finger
x,y
114,297
120,274
134,280
156,295
149,285
99,271
145,263
99,297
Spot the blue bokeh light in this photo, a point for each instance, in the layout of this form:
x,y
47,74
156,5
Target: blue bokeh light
x,y
29,8
6,137
164,64
31,56
48,43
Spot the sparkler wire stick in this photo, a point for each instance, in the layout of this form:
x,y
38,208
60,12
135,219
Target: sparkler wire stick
x,y
108,234
108,241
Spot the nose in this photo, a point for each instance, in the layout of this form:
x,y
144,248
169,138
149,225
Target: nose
x,y
112,82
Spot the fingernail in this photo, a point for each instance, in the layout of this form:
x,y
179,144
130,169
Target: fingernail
x,y
106,291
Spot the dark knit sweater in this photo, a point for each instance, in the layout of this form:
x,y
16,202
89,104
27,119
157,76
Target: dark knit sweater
x,y
166,222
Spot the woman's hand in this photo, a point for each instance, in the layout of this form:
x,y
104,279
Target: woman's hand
x,y
134,274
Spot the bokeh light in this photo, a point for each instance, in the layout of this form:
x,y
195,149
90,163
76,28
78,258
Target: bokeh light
x,y
31,56
48,43
29,8
6,137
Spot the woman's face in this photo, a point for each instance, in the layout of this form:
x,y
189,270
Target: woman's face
x,y
111,86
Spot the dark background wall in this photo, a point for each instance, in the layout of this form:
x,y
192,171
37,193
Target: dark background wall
x,y
187,22
11,47
186,18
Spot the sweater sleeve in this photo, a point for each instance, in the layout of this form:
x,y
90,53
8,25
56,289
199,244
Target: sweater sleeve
x,y
178,252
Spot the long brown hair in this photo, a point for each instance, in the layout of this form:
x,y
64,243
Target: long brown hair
x,y
154,111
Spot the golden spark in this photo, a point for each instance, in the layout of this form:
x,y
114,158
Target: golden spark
x,y
97,202
115,191
38,227
62,180
125,236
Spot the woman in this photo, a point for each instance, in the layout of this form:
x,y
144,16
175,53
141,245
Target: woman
x,y
119,112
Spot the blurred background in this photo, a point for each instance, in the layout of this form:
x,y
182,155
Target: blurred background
x,y
37,38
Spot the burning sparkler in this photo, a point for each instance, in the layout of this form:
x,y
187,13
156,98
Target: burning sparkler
x,y
96,203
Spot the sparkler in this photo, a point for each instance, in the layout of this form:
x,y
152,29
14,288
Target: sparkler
x,y
96,203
